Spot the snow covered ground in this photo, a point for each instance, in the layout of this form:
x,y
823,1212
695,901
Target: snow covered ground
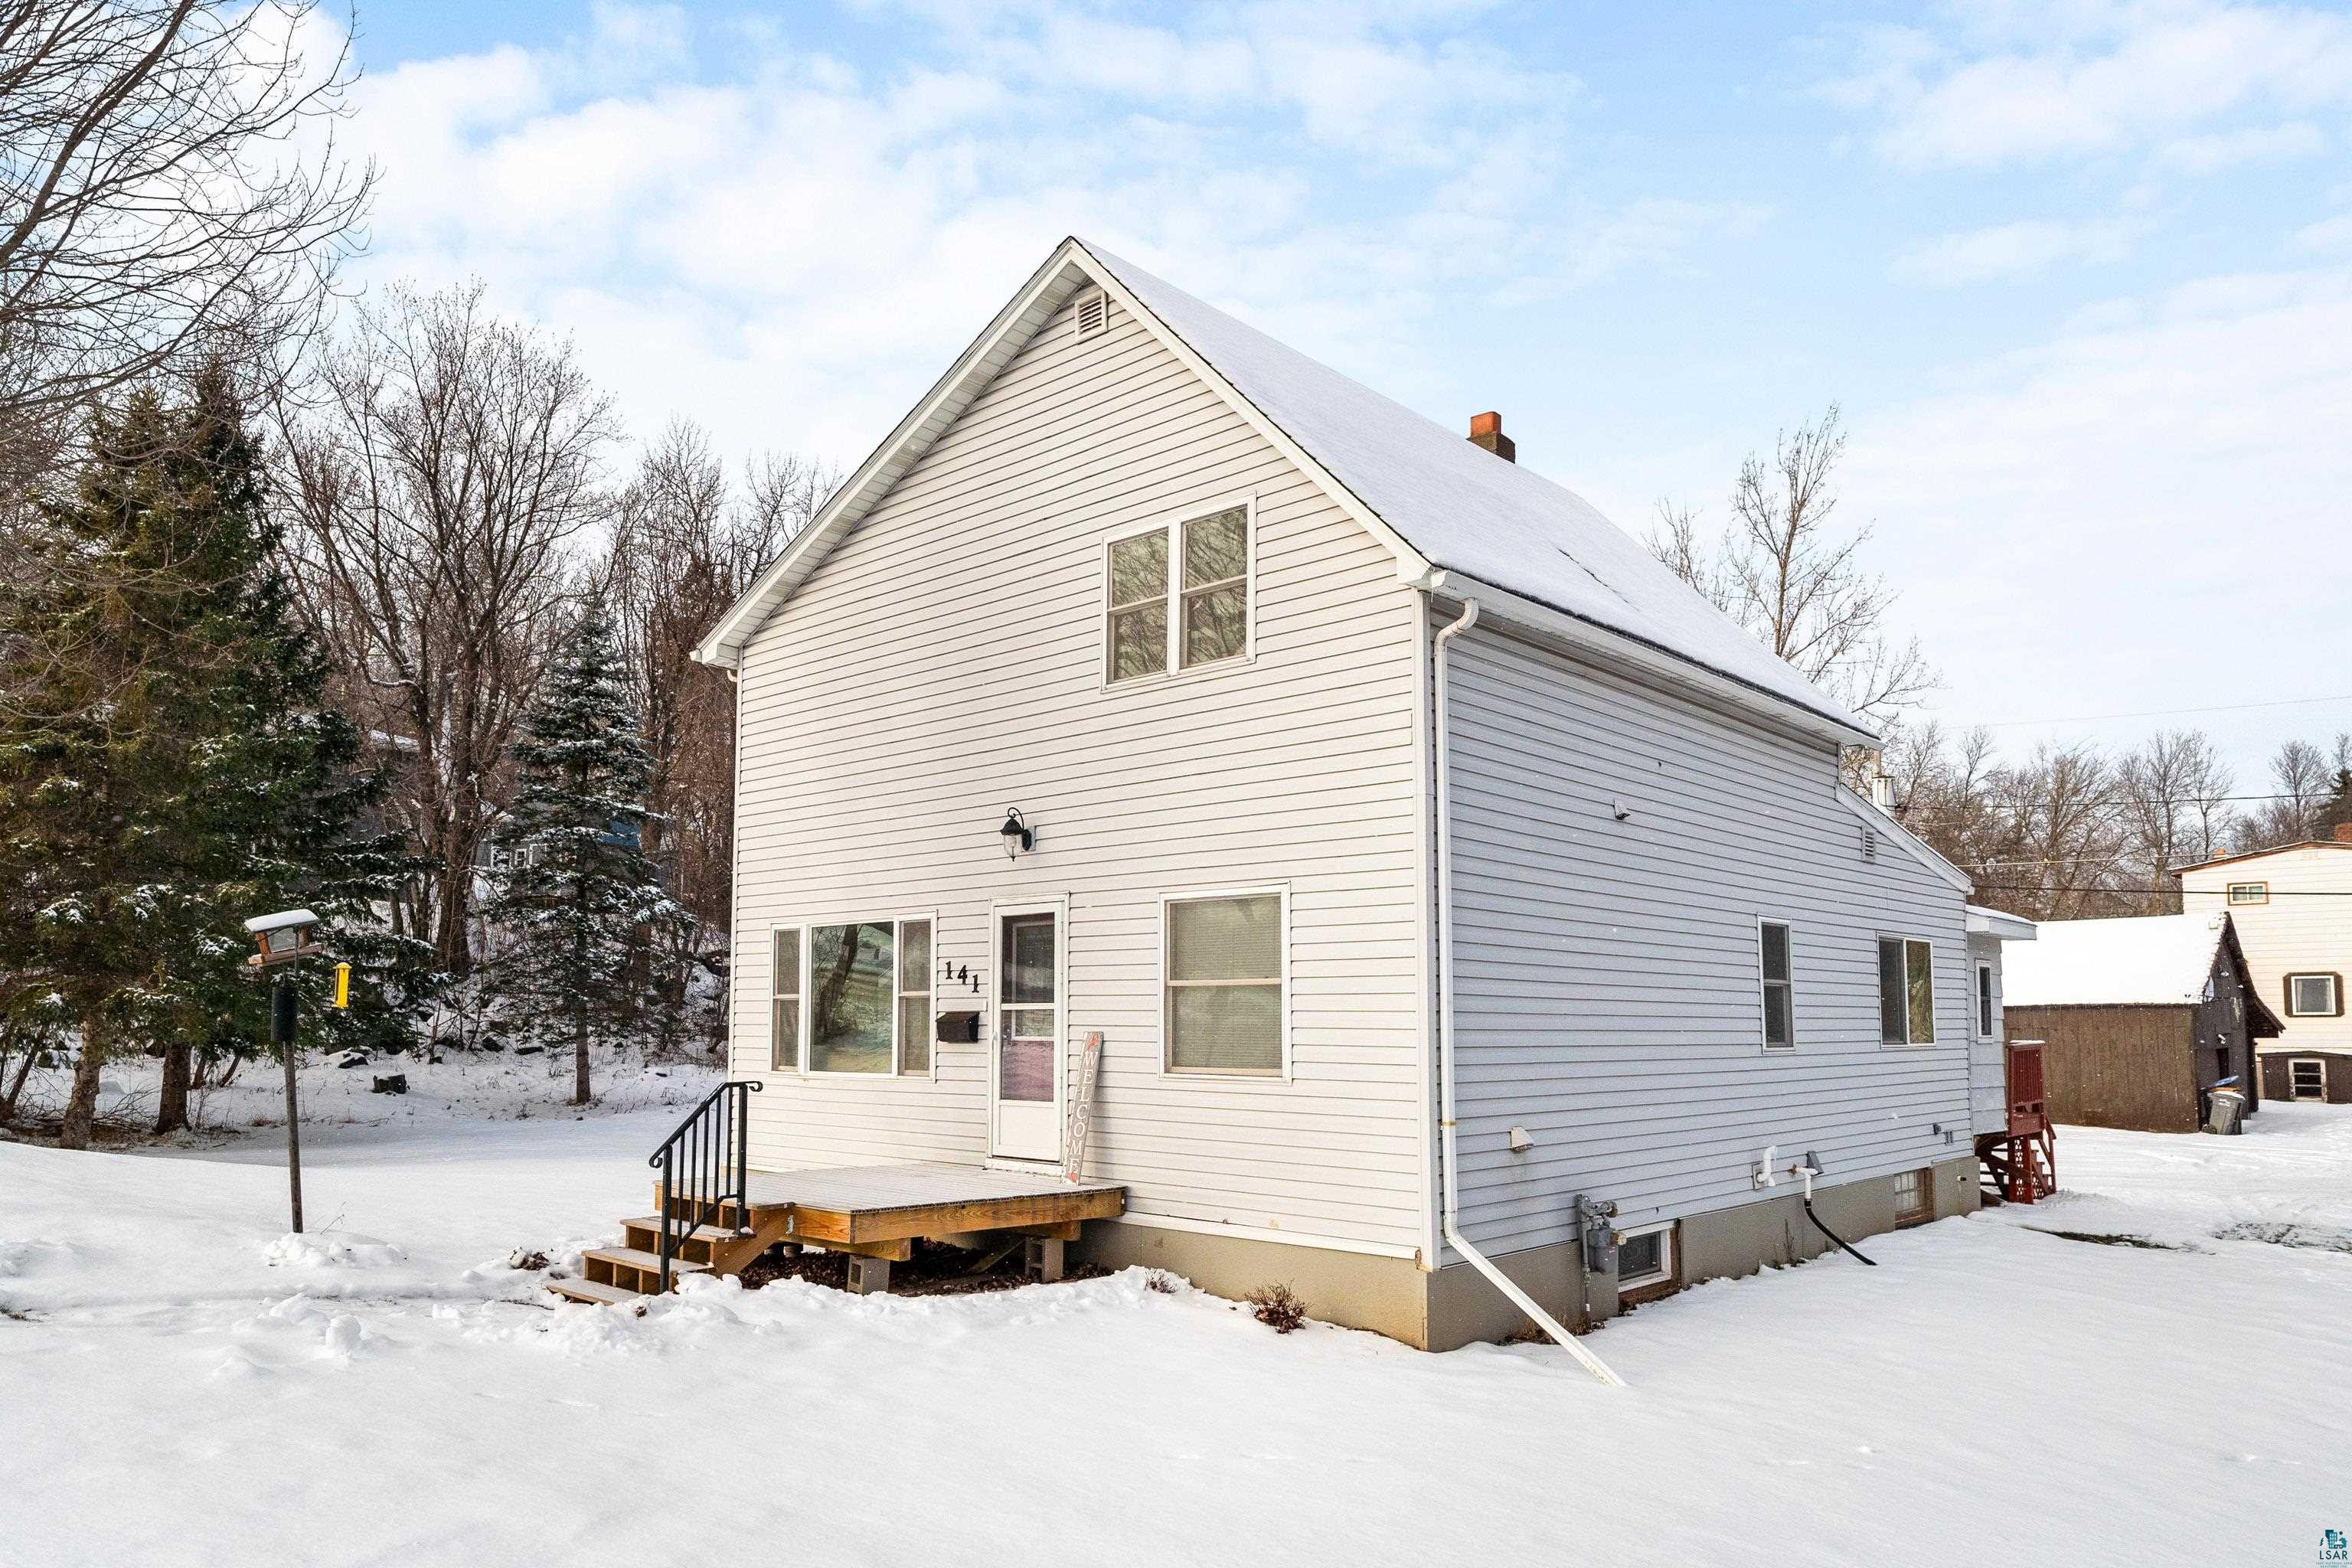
x,y
181,1384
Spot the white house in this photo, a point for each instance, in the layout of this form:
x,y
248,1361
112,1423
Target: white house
x,y
1425,858
2292,910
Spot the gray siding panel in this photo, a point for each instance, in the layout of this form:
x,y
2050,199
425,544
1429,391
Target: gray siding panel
x,y
1607,974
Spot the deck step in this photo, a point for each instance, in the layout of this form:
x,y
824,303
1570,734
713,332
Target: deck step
x,y
630,1257
591,1292
700,1233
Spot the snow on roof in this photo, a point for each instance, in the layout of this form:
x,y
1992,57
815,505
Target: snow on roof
x,y
2150,961
1466,509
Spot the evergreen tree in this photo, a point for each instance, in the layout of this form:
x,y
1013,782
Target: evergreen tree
x,y
579,901
2335,811
166,764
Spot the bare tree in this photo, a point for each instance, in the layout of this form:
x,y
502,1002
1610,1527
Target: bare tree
x,y
440,484
1785,574
683,549
2302,777
170,193
2169,803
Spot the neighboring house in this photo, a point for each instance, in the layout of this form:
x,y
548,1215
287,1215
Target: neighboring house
x,y
1425,856
2141,1018
2292,910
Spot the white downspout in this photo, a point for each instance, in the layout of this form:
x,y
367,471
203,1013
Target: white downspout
x,y
1449,1165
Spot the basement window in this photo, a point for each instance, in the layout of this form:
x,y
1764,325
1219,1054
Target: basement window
x,y
1225,967
2250,892
2315,995
1645,1258
2306,1079
1906,992
1779,989
1915,1197
1178,595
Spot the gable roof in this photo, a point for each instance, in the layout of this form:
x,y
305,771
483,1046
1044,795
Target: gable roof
x,y
1882,821
1447,510
2259,854
2138,961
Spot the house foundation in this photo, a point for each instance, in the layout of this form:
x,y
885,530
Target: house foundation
x,y
1456,1305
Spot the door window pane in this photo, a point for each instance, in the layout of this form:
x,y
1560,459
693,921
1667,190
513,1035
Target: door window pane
x,y
852,971
1024,1069
1029,958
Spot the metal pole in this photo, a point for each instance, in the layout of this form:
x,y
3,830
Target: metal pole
x,y
281,1033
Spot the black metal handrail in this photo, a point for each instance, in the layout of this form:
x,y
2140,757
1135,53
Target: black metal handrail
x,y
703,1165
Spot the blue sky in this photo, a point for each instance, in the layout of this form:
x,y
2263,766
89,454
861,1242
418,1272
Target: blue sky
x,y
2079,274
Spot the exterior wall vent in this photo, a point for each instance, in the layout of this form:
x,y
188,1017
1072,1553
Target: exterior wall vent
x,y
1094,313
1870,844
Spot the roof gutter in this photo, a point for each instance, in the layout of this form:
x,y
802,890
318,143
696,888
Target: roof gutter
x,y
1621,647
1450,1165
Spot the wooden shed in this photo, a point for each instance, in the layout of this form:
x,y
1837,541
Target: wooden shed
x,y
2141,1018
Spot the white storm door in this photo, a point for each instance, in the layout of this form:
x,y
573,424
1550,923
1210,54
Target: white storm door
x,y
1026,1107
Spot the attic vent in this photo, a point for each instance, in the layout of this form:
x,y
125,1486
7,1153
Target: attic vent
x,y
1870,844
1094,313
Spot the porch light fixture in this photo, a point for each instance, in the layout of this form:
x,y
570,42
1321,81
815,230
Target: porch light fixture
x,y
1016,833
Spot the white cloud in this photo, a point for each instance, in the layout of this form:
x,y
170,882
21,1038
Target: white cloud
x,y
2014,84
2157,492
2327,237
2254,144
790,251
2012,250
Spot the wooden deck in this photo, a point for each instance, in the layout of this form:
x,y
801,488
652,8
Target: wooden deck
x,y
873,1204
874,1212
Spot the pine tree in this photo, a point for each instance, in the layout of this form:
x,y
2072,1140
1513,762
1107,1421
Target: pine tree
x,y
2335,811
166,765
579,901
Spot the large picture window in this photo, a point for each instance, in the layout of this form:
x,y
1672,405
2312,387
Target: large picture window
x,y
1906,992
1178,596
1226,1006
854,997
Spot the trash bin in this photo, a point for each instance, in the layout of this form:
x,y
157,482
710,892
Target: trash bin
x,y
2227,1115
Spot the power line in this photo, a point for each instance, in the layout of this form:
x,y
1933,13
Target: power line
x,y
2165,713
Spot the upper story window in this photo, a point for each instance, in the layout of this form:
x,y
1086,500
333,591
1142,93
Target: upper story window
x,y
1178,595
1906,992
2250,892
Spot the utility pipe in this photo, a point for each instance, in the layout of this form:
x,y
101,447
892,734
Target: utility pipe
x,y
1449,1166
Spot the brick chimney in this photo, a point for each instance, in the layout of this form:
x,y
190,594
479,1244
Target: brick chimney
x,y
2343,833
1487,430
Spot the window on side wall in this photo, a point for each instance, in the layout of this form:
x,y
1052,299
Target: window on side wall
x,y
2249,893
1780,985
1178,596
784,1010
1225,1011
1984,1001
2315,995
1906,992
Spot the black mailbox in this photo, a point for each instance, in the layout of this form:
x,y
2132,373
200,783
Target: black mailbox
x,y
958,1029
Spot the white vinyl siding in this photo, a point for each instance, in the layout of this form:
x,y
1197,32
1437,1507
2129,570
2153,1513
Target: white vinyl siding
x,y
2301,926
946,662
1606,971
